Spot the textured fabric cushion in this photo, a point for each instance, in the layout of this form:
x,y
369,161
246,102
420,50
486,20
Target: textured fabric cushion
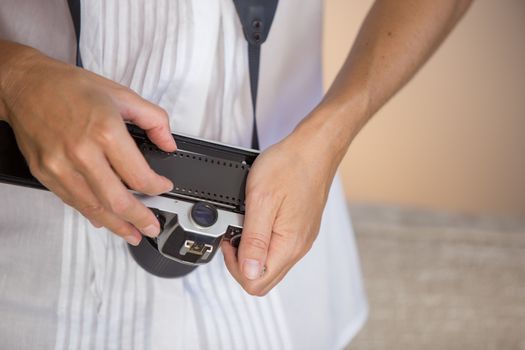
x,y
441,281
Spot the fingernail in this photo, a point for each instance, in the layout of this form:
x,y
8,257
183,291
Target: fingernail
x,y
133,239
168,185
251,268
151,231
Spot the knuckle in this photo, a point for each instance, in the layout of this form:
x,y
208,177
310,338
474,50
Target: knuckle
x,y
92,210
95,224
124,93
164,116
120,204
104,132
106,136
141,184
67,201
51,165
78,153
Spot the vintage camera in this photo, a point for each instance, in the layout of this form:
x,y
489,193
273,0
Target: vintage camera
x,y
205,206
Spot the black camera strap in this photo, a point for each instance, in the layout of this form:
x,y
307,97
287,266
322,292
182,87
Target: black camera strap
x,y
256,18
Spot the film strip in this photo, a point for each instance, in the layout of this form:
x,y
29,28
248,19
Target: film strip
x,y
201,170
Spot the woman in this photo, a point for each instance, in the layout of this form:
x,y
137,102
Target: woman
x,y
182,65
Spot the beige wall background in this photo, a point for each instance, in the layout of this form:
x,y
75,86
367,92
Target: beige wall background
x,y
454,138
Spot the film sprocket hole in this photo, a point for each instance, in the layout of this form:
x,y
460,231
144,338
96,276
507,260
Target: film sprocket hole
x,y
205,207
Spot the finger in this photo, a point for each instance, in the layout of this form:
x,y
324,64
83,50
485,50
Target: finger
x,y
229,253
118,226
129,163
110,191
281,258
269,285
75,192
261,210
83,199
230,259
283,253
94,222
113,223
149,117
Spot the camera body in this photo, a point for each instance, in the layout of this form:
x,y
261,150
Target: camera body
x,y
205,207
191,232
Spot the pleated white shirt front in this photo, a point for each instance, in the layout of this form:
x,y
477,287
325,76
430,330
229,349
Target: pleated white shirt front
x,y
190,57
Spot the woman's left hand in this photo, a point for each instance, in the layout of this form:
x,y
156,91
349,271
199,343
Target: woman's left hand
x,y
286,193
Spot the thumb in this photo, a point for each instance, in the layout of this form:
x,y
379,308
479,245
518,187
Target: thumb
x,y
256,235
149,117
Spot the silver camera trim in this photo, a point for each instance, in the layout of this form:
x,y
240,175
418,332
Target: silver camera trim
x,y
182,209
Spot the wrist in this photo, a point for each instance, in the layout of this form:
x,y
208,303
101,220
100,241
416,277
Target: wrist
x,y
15,61
333,124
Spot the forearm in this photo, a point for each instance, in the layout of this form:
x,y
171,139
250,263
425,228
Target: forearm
x,y
395,40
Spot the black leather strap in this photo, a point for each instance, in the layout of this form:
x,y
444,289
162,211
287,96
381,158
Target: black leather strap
x,y
256,17
254,58
74,8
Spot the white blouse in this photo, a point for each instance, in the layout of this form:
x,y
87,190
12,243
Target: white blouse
x,y
70,286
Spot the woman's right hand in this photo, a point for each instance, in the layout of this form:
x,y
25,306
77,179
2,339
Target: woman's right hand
x,y
69,125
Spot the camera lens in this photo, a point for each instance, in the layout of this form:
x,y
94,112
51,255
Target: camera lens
x,y
204,214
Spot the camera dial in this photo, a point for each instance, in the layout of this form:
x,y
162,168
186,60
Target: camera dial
x,y
204,214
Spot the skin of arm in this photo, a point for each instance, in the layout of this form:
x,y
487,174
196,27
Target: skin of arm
x,y
284,208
